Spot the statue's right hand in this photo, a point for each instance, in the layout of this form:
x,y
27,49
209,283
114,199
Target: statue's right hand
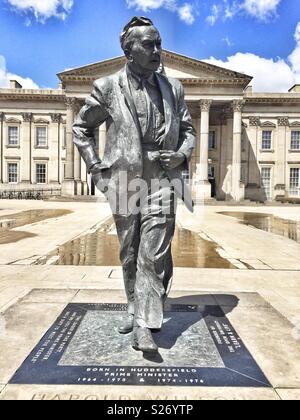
x,y
96,169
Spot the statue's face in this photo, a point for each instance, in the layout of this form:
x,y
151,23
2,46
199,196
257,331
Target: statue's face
x,y
146,49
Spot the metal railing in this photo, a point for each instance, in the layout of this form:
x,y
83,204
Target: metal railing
x,y
294,192
29,194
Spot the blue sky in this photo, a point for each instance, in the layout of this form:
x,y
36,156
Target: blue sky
x,y
40,38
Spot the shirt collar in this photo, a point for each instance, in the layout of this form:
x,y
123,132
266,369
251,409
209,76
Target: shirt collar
x,y
138,80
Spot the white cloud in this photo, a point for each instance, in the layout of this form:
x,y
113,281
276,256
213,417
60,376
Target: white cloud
x,y
227,41
5,77
185,12
147,5
215,13
270,75
43,9
261,9
294,58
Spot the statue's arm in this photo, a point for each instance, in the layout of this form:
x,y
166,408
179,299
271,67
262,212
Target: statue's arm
x,y
187,133
91,116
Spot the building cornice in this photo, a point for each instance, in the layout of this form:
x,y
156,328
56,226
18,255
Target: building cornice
x,y
272,98
77,79
40,95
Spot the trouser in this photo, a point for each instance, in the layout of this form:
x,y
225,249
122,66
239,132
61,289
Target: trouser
x,y
145,253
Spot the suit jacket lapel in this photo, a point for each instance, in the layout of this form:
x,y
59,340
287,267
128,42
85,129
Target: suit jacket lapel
x,y
167,95
124,85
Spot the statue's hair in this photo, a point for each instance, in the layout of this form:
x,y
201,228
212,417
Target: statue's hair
x,y
135,22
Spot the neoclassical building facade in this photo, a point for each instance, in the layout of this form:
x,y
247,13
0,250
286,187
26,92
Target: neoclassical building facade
x,y
248,144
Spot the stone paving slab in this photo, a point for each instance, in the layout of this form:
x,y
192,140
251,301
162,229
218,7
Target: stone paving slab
x,y
265,332
270,337
9,295
51,233
87,392
50,296
245,300
247,243
23,326
289,394
100,296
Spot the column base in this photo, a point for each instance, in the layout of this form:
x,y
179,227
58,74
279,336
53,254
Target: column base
x,y
68,187
85,188
201,190
239,194
78,187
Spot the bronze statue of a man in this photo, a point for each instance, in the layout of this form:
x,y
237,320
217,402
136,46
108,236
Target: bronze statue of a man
x,y
150,137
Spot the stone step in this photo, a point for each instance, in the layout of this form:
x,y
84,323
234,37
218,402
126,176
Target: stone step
x,y
78,198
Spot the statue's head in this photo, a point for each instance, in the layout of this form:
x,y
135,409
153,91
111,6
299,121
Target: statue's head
x,y
141,43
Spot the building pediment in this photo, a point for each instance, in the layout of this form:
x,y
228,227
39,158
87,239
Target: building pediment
x,y
13,121
295,124
41,121
187,69
268,124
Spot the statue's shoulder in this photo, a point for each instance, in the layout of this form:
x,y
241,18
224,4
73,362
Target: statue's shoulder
x,y
106,83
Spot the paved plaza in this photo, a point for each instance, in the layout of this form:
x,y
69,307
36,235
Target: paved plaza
x,y
255,281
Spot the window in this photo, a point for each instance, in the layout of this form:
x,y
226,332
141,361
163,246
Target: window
x,y
295,181
41,136
13,136
295,140
266,182
12,173
267,140
212,140
211,171
244,174
41,173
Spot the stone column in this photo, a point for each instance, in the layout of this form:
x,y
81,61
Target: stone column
x,y
282,185
68,187
77,160
26,147
238,189
2,116
253,187
203,187
222,155
55,143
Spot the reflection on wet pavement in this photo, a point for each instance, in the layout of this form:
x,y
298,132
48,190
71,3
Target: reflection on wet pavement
x,y
269,223
101,248
9,222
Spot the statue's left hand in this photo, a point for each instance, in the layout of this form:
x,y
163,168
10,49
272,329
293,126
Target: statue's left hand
x,y
170,159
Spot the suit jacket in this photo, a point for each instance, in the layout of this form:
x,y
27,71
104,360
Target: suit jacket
x,y
112,102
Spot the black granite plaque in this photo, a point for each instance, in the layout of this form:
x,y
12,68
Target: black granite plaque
x,y
197,347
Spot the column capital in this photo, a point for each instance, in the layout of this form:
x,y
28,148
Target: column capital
x,y
254,121
71,102
238,105
205,104
283,121
2,116
56,118
27,116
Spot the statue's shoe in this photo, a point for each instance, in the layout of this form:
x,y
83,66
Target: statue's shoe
x,y
127,325
143,341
